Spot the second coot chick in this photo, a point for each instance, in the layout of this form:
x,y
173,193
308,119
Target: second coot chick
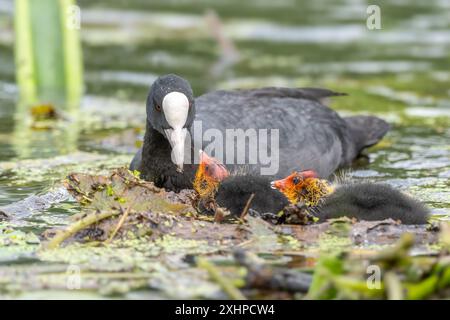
x,y
364,201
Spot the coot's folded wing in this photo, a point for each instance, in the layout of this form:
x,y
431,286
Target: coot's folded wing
x,y
318,94
311,135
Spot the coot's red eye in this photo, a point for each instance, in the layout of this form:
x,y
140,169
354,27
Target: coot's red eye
x,y
157,107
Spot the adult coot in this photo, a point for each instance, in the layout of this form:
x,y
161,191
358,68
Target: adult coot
x,y
322,140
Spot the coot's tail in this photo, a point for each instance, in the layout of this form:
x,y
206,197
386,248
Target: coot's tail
x,y
367,130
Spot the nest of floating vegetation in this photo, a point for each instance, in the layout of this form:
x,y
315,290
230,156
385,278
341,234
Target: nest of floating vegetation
x,y
122,205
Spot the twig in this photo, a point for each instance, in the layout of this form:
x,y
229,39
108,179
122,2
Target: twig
x,y
119,224
247,206
229,55
398,252
62,235
393,286
245,243
215,275
215,26
220,214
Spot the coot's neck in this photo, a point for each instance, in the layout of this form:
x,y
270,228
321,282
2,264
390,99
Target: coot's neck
x,y
313,191
157,165
156,152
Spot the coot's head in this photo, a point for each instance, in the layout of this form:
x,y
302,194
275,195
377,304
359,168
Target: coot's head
x,y
298,186
210,173
171,111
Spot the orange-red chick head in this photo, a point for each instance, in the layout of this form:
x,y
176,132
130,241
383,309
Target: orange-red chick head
x,y
209,174
302,186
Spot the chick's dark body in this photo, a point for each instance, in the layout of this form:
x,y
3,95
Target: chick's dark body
x,y
371,201
235,191
363,201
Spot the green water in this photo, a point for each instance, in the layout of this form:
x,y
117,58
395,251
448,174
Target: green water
x,y
400,73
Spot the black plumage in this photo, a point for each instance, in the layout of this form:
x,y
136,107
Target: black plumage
x,y
311,135
371,201
363,201
235,191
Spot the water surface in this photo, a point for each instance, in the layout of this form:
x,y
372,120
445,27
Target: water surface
x,y
400,73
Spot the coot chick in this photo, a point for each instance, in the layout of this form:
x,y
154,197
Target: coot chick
x,y
364,201
214,182
322,140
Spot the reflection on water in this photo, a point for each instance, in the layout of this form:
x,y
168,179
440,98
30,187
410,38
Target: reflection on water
x,y
400,73
30,141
